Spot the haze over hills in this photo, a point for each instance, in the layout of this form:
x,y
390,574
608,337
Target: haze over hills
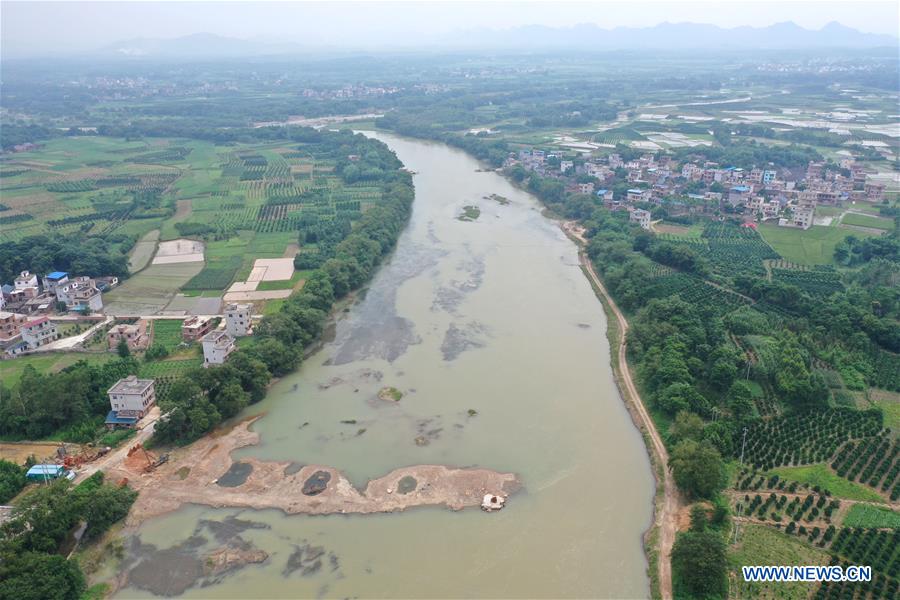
x,y
675,36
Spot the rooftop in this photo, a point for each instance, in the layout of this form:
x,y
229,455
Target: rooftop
x,y
130,385
44,470
56,275
219,337
114,419
38,321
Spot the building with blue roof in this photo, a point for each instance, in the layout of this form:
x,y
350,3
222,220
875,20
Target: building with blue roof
x,y
47,472
54,280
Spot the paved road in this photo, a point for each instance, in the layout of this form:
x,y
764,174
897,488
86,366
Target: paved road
x,y
70,342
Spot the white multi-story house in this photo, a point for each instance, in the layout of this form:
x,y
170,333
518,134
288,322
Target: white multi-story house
x,y
39,332
52,281
641,217
802,216
26,279
217,345
237,319
130,399
80,293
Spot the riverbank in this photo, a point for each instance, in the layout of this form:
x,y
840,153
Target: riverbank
x,y
205,473
660,537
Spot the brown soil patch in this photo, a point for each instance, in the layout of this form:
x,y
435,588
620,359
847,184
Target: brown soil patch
x,y
18,452
274,485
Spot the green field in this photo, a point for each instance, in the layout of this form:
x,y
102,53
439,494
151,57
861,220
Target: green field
x,y
143,251
814,246
821,475
866,515
150,290
762,545
867,221
889,403
51,362
167,333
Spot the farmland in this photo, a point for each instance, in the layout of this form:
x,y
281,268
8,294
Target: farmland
x,y
244,201
867,221
814,246
866,515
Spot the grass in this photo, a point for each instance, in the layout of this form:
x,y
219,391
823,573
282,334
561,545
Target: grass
x,y
814,246
821,475
866,515
889,403
470,213
143,251
51,362
390,393
151,289
867,221
162,368
762,545
286,284
167,332
273,306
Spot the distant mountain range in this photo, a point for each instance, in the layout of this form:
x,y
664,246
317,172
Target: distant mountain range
x,y
672,36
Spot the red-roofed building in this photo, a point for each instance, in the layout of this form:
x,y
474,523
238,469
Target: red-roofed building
x,y
39,332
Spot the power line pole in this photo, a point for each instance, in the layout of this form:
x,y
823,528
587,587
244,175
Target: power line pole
x,y
737,524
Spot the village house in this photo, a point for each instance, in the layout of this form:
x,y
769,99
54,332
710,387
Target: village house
x,y
134,335
237,319
129,399
641,217
39,332
194,328
25,280
26,284
585,188
53,280
638,195
80,294
217,345
814,170
874,192
11,333
801,217
605,195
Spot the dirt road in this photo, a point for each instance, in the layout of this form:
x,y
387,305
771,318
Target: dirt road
x,y
667,511
115,458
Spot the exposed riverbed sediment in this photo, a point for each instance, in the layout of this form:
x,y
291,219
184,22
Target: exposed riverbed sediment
x,y
205,473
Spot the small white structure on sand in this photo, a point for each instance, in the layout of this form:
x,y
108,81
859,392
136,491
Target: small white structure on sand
x,y
492,502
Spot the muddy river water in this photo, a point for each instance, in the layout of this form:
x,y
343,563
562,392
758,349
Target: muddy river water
x,y
497,342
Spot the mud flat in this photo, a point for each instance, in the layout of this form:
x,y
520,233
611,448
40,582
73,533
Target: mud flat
x,y
277,485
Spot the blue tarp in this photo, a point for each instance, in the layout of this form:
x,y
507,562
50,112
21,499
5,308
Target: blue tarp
x,y
45,470
56,275
113,419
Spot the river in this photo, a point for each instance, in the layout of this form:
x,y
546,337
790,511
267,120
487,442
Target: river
x,y
498,344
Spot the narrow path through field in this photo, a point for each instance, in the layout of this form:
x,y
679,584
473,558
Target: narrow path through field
x,y
667,515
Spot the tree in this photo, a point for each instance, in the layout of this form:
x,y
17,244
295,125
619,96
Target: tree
x,y
687,426
12,480
122,349
38,576
156,352
698,518
740,401
698,469
699,560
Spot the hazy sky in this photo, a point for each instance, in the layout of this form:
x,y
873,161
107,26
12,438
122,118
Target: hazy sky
x,y
31,27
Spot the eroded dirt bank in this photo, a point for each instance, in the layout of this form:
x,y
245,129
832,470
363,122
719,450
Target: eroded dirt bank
x,y
205,473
